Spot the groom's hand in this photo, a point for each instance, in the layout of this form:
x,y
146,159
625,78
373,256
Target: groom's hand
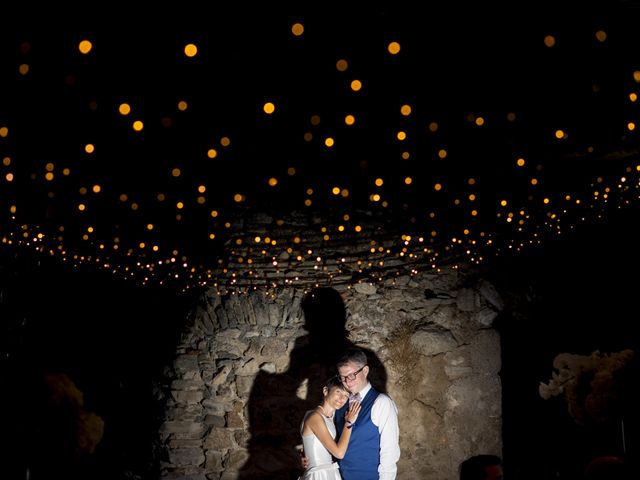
x,y
304,461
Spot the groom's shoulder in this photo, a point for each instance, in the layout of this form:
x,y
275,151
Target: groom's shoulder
x,y
384,397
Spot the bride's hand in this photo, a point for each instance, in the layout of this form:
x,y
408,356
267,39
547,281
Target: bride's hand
x,y
352,413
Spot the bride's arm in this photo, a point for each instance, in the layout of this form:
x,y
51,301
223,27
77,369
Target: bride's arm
x,y
316,424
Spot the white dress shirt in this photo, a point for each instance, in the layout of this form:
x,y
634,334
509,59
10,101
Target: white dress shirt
x,y
384,415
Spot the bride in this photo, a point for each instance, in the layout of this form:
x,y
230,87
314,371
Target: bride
x,y
319,432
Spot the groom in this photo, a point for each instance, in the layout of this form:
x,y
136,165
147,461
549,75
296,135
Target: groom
x,y
374,447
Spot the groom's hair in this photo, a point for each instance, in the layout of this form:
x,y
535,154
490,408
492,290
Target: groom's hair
x,y
355,355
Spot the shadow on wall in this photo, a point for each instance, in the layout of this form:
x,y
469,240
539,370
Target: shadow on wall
x,y
278,401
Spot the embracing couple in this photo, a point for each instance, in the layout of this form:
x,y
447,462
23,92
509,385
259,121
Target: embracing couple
x,y
353,434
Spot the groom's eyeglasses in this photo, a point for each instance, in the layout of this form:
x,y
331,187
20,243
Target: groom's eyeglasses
x,y
352,376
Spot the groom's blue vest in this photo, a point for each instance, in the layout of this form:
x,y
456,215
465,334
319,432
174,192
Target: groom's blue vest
x,y
363,453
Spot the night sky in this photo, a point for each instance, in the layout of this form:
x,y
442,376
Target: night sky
x,y
137,148
504,138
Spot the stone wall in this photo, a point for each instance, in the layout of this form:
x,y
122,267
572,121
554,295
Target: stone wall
x,y
249,365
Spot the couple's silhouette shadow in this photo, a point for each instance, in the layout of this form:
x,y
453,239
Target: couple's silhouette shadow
x,y
278,401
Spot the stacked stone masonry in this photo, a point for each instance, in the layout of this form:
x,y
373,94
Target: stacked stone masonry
x,y
249,365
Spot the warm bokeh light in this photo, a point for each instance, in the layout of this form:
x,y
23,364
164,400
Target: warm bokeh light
x,y
85,46
190,50
117,148
297,29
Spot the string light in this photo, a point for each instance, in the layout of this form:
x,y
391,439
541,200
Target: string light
x,y
317,174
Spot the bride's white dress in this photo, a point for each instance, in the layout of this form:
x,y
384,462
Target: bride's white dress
x,y
321,464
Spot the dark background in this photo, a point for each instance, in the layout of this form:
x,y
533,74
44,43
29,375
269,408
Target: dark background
x,y
111,339
581,297
112,334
